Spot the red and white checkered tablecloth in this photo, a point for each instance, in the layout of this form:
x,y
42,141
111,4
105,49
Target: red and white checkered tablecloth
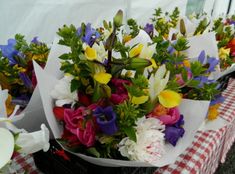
x,y
202,157
209,147
22,164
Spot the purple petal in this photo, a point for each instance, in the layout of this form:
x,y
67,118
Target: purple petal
x,y
27,82
172,134
201,57
212,63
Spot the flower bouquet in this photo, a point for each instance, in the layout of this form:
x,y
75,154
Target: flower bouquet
x,y
17,75
17,140
125,99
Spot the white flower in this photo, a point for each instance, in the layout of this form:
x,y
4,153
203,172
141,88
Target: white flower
x,y
33,142
158,81
147,51
100,50
149,146
6,146
62,92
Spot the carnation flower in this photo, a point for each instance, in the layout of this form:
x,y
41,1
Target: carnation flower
x,y
149,146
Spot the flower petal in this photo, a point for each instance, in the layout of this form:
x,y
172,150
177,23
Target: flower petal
x,y
102,77
7,146
136,50
169,99
90,53
139,100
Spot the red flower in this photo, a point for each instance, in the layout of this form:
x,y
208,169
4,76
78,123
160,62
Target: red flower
x,y
231,45
59,113
84,99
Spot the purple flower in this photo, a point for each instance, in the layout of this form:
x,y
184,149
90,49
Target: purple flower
x,y
9,51
174,132
27,82
35,41
232,22
149,29
203,80
212,63
106,120
210,60
218,99
202,57
90,34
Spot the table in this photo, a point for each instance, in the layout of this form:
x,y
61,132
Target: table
x,y
207,150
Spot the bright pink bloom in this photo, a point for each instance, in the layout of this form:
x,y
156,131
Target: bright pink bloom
x,y
77,123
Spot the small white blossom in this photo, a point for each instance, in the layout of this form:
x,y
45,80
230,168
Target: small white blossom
x,y
62,92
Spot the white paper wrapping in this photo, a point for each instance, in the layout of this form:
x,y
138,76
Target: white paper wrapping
x,y
193,111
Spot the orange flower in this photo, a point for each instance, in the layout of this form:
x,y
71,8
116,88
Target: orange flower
x,y
160,110
213,112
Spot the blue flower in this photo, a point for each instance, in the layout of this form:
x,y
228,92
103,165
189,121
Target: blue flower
x,y
210,60
9,51
27,82
203,80
90,34
106,120
35,41
212,63
202,57
218,99
175,131
149,29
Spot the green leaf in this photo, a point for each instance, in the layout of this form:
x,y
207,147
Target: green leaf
x,y
94,152
75,84
193,83
184,74
106,90
64,56
130,132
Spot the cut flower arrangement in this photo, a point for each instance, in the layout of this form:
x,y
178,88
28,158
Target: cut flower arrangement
x,y
16,69
126,95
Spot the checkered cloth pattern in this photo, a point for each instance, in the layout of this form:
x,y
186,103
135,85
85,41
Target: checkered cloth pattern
x,y
209,147
22,164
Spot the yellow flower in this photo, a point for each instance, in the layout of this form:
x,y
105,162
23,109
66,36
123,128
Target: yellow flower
x,y
136,50
126,38
102,77
224,53
169,98
186,63
154,65
9,107
90,53
139,100
213,112
40,57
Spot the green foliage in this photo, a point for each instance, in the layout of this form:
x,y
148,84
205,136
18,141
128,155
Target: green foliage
x,y
181,44
133,27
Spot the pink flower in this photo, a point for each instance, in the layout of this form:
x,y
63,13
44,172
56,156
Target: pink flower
x,y
121,93
119,85
118,98
77,123
171,117
180,80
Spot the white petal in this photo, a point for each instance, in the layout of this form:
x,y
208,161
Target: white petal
x,y
35,141
7,146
